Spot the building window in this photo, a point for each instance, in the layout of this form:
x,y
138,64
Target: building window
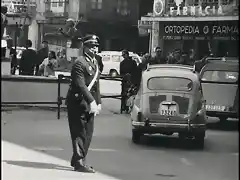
x,y
60,4
96,4
123,7
54,4
57,3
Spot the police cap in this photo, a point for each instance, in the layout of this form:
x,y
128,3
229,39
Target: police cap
x,y
91,40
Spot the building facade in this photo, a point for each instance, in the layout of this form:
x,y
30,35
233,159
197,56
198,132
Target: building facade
x,y
114,21
19,16
202,25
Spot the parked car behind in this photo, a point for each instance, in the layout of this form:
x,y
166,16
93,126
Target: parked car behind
x,y
219,79
111,61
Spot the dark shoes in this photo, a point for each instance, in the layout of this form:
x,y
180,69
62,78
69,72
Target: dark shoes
x,y
84,168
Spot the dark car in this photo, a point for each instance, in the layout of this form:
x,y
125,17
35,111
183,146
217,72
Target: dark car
x,y
169,100
219,79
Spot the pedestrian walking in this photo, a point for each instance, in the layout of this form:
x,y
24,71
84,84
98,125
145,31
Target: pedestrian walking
x,y
28,60
42,54
129,72
83,103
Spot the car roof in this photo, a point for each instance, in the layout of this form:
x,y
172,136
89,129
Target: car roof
x,y
170,66
227,59
179,71
222,66
116,53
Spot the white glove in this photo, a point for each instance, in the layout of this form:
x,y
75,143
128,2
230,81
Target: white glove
x,y
99,107
94,108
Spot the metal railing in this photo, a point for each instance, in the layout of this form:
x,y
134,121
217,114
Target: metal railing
x,y
59,100
62,78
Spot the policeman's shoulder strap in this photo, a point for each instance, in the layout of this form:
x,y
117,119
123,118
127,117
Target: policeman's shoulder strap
x,y
95,76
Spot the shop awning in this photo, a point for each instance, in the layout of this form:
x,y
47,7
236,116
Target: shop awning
x,y
209,18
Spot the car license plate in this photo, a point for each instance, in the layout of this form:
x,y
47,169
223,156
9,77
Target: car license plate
x,y
215,108
168,110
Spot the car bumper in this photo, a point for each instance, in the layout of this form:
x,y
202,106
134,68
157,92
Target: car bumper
x,y
167,127
222,114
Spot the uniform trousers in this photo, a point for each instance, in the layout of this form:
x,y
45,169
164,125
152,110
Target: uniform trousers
x,y
81,125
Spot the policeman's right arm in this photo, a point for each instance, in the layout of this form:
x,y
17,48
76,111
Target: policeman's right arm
x,y
80,82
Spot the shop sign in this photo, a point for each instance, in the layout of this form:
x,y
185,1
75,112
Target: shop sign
x,y
202,30
181,10
144,24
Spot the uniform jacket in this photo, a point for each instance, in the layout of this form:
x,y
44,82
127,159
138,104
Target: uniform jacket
x,y
83,71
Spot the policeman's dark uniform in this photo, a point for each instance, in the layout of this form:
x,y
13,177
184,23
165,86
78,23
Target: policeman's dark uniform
x,y
78,104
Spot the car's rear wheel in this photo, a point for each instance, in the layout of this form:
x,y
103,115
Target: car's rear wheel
x,y
136,136
199,140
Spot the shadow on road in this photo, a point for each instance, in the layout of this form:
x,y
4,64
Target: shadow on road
x,y
38,165
170,142
224,126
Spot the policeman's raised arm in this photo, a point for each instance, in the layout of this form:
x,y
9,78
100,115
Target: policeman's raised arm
x,y
80,82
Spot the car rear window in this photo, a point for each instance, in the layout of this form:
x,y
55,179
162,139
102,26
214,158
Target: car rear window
x,y
106,58
170,83
116,58
220,76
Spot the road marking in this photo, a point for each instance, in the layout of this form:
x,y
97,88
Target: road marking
x,y
186,162
48,148
235,154
102,150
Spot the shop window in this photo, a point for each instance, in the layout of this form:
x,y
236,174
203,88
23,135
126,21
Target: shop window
x,y
96,4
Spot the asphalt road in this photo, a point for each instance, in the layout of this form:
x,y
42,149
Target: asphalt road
x,y
113,153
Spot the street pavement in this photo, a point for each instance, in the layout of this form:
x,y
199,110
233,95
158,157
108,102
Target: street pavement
x,y
34,142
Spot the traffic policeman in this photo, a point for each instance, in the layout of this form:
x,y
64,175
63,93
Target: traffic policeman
x,y
83,102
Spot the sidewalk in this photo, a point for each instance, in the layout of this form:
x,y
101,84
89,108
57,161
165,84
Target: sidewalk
x,y
25,164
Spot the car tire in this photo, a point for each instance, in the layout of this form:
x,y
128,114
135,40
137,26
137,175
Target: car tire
x,y
113,73
136,136
199,140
